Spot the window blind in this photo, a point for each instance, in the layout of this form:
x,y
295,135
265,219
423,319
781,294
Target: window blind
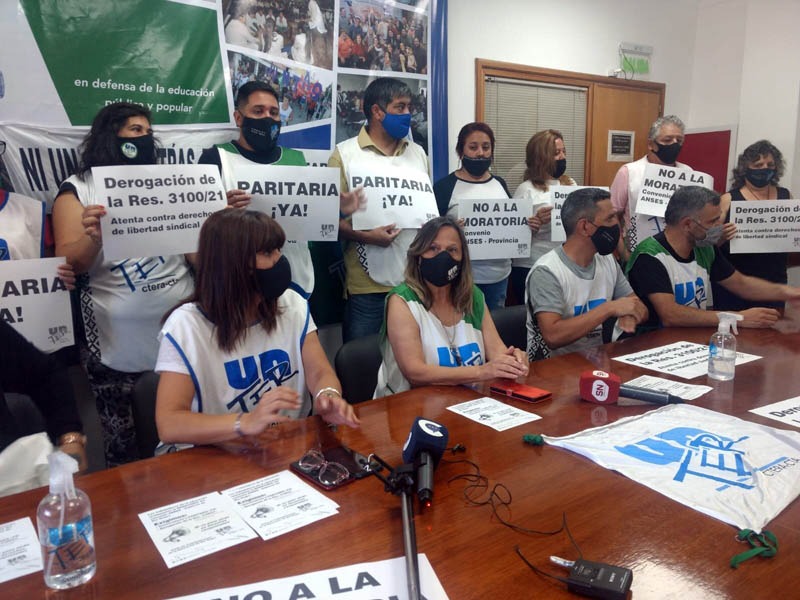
x,y
516,109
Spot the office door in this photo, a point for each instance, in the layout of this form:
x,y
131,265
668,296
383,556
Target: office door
x,y
616,108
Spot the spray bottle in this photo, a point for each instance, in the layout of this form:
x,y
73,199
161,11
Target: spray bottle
x,y
722,348
65,527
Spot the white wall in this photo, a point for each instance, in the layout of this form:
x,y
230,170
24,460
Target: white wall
x,y
747,72
718,54
573,35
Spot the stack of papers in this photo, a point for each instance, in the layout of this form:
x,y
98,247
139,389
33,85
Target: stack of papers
x,y
200,526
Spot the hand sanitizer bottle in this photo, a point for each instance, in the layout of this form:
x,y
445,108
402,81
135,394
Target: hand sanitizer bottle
x,y
722,348
65,527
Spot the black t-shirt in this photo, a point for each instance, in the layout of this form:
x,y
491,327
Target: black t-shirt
x,y
770,266
648,275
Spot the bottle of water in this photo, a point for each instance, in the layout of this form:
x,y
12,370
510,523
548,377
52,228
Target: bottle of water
x,y
66,533
722,348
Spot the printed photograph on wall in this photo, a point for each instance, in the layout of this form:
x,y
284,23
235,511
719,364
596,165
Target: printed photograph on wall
x,y
350,112
383,36
305,94
300,30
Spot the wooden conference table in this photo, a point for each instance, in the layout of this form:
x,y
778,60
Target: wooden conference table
x,y
674,552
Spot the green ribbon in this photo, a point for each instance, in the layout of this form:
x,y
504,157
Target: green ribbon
x,y
761,544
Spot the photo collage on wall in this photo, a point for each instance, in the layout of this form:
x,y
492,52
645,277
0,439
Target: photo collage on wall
x,y
307,48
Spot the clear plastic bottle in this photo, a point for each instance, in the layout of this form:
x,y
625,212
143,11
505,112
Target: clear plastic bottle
x,y
66,532
722,348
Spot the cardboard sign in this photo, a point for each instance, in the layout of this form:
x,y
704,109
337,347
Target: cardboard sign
x,y
660,182
304,200
155,210
394,195
496,228
36,303
766,226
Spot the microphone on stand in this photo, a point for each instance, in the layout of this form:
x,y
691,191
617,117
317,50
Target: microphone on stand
x,y
424,447
606,388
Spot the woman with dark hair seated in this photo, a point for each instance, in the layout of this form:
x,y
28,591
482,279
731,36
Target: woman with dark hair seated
x,y
122,301
437,329
242,352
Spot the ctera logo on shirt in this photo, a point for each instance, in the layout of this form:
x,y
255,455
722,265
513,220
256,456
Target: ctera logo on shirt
x,y
591,304
255,375
691,292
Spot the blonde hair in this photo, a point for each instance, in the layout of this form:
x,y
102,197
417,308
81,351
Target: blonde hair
x,y
540,159
461,287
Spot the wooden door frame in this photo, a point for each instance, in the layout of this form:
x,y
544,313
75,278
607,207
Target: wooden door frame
x,y
491,68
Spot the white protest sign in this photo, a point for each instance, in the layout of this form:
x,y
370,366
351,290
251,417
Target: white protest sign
x,y
394,195
363,581
786,411
559,193
660,181
36,302
684,359
766,226
155,210
304,200
495,228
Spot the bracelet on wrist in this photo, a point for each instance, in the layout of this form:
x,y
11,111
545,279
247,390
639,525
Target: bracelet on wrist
x,y
237,425
328,390
73,437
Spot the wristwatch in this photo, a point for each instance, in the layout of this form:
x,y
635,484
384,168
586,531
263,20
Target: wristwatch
x,y
73,437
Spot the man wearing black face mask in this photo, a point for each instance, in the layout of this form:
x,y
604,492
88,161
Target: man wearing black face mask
x,y
664,143
672,270
574,291
257,115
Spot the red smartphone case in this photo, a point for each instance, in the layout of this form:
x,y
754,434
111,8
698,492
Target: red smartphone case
x,y
520,391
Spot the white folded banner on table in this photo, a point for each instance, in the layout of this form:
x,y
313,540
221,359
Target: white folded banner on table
x,y
733,470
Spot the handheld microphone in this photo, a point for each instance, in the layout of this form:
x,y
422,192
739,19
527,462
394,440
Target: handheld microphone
x,y
606,388
424,447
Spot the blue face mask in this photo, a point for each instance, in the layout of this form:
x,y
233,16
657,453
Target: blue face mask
x,y
397,126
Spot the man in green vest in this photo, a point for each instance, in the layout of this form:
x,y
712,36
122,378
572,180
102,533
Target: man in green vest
x,y
672,271
257,116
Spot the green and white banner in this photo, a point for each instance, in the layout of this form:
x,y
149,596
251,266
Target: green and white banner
x,y
184,60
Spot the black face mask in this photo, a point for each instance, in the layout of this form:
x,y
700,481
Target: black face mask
x,y
561,168
476,166
138,150
605,238
439,270
668,154
261,134
274,281
759,177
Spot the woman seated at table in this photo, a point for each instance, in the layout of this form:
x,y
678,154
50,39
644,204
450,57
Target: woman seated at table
x,y
242,352
437,329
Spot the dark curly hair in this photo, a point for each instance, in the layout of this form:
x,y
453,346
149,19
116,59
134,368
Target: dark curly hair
x,y
750,155
100,148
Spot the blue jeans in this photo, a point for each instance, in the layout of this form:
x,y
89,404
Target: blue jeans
x,y
363,315
494,293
